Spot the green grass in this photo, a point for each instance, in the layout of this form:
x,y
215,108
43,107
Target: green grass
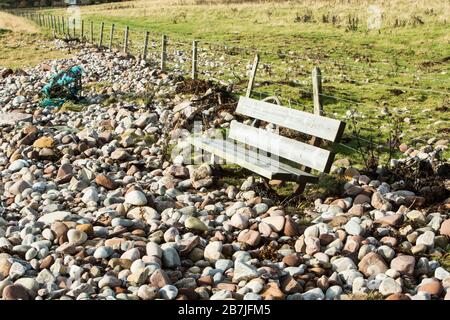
x,y
404,70
21,49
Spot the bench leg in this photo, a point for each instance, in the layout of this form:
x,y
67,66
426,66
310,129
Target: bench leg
x,y
299,188
266,183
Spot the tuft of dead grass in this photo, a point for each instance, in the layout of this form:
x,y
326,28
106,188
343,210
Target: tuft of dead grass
x,y
16,24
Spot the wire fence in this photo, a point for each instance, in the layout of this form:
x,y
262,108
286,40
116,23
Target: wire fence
x,y
285,74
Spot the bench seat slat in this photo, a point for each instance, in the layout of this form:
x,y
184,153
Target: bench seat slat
x,y
250,159
302,153
311,124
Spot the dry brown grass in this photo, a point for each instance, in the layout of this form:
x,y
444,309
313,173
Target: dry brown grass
x,y
392,9
16,24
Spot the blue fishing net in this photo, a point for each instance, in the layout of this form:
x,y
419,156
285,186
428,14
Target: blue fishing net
x,y
65,85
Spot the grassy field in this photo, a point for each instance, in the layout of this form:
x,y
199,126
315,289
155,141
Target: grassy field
x,y
387,60
22,44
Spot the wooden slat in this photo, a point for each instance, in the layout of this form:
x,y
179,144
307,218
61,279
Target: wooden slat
x,y
258,163
315,125
302,153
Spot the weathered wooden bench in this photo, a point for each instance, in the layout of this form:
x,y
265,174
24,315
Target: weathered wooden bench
x,y
272,155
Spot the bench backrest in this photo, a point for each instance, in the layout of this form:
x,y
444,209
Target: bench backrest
x,y
302,153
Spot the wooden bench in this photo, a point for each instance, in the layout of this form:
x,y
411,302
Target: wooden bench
x,y
271,155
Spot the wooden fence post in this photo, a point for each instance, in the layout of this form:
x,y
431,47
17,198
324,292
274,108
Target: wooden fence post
x,y
251,81
82,30
125,40
111,36
318,110
58,23
163,52
68,27
317,91
144,54
194,59
74,27
63,28
100,42
92,32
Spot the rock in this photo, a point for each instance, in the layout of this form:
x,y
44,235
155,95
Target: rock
x,y
17,165
120,155
260,208
389,286
378,202
170,258
224,264
136,198
404,264
289,285
168,292
416,216
351,172
239,221
426,239
248,184
201,177
5,266
15,292
44,142
146,292
372,264
17,270
313,294
342,264
250,237
19,187
333,292
76,237
105,181
30,285
361,199
65,173
445,228
131,254
13,118
275,222
49,218
441,274
213,251
194,223
291,228
394,220
432,287
272,292
103,252
398,296
153,249
109,281
352,227
244,271
159,278
312,245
